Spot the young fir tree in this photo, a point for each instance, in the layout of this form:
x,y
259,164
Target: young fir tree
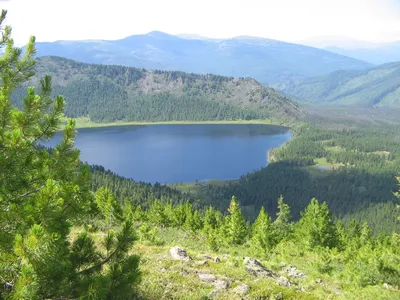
x,y
109,207
157,214
262,235
316,227
341,234
210,219
281,226
193,220
43,194
235,223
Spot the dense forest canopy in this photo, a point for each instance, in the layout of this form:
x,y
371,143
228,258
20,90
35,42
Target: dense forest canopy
x,y
117,93
70,231
268,61
377,86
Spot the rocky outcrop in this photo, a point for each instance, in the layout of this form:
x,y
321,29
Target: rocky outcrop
x,y
254,267
293,272
178,253
241,290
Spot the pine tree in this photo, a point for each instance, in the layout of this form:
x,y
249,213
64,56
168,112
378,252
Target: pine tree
x,y
262,235
236,225
210,219
193,219
43,194
108,206
282,226
316,227
341,234
157,214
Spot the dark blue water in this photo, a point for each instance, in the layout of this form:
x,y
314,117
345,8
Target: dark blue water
x,y
179,153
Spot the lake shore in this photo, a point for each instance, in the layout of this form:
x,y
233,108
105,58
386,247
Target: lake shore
x,y
87,123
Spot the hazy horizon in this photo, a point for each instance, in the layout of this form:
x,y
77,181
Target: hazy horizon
x,y
372,21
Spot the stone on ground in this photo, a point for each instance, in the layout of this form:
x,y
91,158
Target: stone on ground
x,y
178,253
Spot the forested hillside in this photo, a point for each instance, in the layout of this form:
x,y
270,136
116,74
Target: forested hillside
x,y
379,86
353,167
116,93
266,60
70,231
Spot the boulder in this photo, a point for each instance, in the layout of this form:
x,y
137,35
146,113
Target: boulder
x,y
221,284
254,267
293,272
283,281
241,290
178,253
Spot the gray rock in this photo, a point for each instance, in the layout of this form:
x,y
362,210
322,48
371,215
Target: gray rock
x,y
178,253
207,277
279,296
217,260
293,272
254,267
221,284
283,281
242,289
163,270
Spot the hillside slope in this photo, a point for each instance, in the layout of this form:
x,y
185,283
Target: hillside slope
x,y
265,60
115,93
378,86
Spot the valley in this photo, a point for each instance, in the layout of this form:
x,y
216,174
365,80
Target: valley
x,y
375,87
179,152
164,166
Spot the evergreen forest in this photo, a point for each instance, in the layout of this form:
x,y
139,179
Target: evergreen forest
x,y
321,221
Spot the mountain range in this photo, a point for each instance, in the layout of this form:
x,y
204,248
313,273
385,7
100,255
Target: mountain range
x,y
377,86
109,93
375,53
266,60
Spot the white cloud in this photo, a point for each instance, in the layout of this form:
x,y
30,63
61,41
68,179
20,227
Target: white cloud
x,y
290,20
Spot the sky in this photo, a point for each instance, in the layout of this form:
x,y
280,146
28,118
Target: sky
x,y
374,21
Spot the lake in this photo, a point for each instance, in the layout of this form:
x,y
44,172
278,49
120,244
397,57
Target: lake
x,y
179,153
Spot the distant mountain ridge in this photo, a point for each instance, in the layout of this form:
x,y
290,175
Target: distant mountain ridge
x,y
109,93
265,60
372,52
378,86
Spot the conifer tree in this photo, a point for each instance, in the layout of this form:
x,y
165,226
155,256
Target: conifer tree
x,y
157,214
316,227
341,234
108,205
210,220
193,221
262,235
43,194
179,215
236,225
282,226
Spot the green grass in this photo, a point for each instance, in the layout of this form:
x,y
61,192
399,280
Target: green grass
x,y
164,278
85,122
195,188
